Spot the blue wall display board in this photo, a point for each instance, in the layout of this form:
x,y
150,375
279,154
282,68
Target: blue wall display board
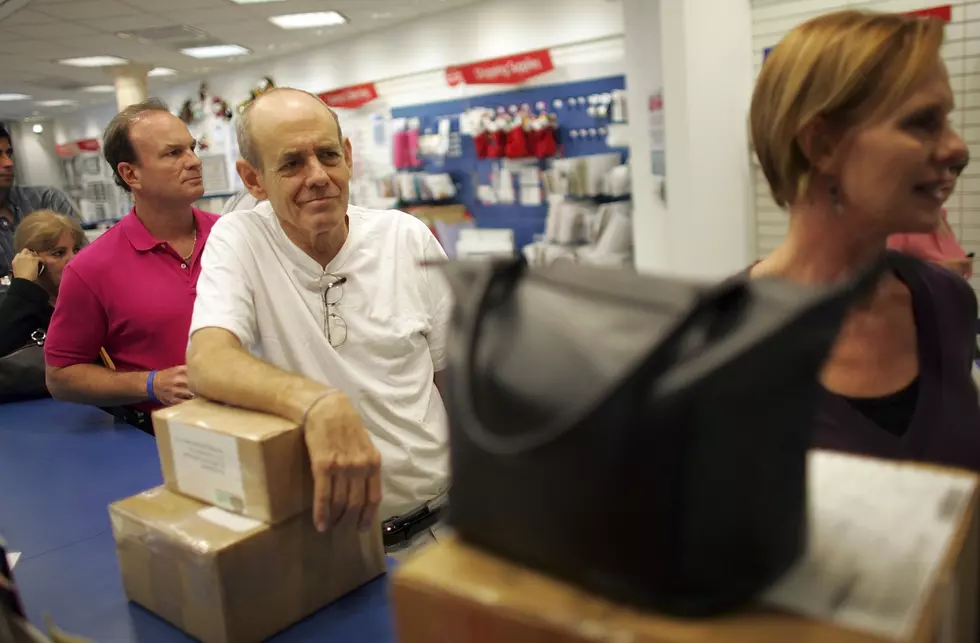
x,y
468,171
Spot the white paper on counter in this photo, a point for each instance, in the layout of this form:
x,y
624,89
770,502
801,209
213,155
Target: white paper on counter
x,y
878,534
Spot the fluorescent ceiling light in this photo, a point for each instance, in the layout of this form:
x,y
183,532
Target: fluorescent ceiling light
x,y
308,20
38,128
99,89
215,51
94,61
58,102
161,71
6,97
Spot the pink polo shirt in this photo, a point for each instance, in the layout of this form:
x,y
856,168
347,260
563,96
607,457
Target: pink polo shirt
x,y
936,246
130,293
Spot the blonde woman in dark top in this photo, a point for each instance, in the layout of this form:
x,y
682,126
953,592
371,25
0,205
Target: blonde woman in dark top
x,y
44,243
850,123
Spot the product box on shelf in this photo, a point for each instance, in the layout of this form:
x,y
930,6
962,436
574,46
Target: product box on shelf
x,y
226,578
246,462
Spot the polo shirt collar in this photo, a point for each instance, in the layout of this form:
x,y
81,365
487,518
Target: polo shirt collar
x,y
140,237
300,258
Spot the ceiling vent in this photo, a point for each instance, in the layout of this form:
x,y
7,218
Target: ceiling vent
x,y
174,37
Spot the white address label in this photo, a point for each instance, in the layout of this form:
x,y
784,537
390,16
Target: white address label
x,y
206,466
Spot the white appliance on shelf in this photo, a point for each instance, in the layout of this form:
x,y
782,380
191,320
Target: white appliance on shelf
x,y
485,243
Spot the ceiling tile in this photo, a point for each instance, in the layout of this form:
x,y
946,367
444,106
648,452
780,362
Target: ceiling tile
x,y
56,30
26,17
40,50
166,7
209,16
130,23
89,10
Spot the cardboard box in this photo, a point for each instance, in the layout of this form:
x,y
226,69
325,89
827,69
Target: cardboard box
x,y
225,578
246,462
454,592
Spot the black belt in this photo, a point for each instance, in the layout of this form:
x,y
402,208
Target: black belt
x,y
134,417
400,529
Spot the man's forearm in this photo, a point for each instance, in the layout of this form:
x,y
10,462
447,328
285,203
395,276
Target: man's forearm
x,y
228,373
96,385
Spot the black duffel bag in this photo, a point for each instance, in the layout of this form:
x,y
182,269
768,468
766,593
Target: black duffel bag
x,y
642,437
22,371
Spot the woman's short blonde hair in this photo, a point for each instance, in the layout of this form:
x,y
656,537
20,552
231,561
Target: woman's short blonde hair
x,y
39,231
845,67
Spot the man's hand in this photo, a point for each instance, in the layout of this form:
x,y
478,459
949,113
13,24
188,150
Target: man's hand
x,y
962,266
346,466
26,265
170,386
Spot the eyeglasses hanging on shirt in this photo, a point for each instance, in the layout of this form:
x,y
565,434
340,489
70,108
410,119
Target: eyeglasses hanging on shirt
x,y
334,326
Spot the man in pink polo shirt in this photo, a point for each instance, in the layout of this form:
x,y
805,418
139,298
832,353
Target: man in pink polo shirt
x,y
119,333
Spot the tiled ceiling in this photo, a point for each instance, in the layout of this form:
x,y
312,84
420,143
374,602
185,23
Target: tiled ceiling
x,y
34,37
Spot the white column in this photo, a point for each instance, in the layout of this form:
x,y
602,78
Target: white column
x,y
644,80
130,85
707,78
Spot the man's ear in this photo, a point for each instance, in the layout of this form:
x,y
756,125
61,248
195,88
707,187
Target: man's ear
x,y
349,154
821,144
250,177
129,174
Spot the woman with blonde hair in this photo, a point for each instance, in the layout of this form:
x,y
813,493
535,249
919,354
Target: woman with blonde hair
x,y
44,243
850,124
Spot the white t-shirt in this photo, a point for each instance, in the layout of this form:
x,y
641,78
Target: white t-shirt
x,y
260,286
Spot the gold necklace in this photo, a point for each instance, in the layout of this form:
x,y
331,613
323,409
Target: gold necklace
x,y
193,247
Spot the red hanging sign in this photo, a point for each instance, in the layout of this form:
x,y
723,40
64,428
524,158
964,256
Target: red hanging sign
x,y
502,71
944,13
350,97
89,145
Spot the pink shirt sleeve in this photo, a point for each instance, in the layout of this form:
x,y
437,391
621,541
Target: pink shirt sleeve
x,y
79,325
937,246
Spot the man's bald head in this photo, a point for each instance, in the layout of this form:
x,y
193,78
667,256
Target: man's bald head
x,y
276,102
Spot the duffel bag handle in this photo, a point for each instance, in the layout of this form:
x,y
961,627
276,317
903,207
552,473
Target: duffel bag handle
x,y
504,278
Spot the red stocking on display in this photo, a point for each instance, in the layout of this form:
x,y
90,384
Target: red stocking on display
x,y
517,147
547,143
482,144
498,143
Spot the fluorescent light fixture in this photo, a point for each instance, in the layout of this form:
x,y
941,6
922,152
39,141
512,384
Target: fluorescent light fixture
x,y
215,51
38,128
161,71
308,20
99,89
58,102
6,97
94,61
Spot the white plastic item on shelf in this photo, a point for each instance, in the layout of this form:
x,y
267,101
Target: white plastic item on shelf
x,y
617,182
485,243
439,186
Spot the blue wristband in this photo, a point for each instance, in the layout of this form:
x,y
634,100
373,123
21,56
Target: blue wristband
x,y
149,387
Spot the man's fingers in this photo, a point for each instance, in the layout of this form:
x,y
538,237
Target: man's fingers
x,y
369,513
340,491
356,497
322,487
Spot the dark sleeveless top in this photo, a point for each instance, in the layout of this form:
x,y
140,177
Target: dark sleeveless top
x,y
944,427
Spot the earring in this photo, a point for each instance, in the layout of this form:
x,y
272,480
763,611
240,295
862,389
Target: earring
x,y
834,192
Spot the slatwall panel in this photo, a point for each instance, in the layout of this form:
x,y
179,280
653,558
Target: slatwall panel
x,y
771,19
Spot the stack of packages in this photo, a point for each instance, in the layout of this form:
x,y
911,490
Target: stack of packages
x,y
226,549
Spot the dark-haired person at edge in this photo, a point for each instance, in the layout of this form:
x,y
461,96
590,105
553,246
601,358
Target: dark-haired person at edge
x,y
850,120
45,242
17,202
118,336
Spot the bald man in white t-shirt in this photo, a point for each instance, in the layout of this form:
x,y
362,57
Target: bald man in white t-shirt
x,y
322,313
